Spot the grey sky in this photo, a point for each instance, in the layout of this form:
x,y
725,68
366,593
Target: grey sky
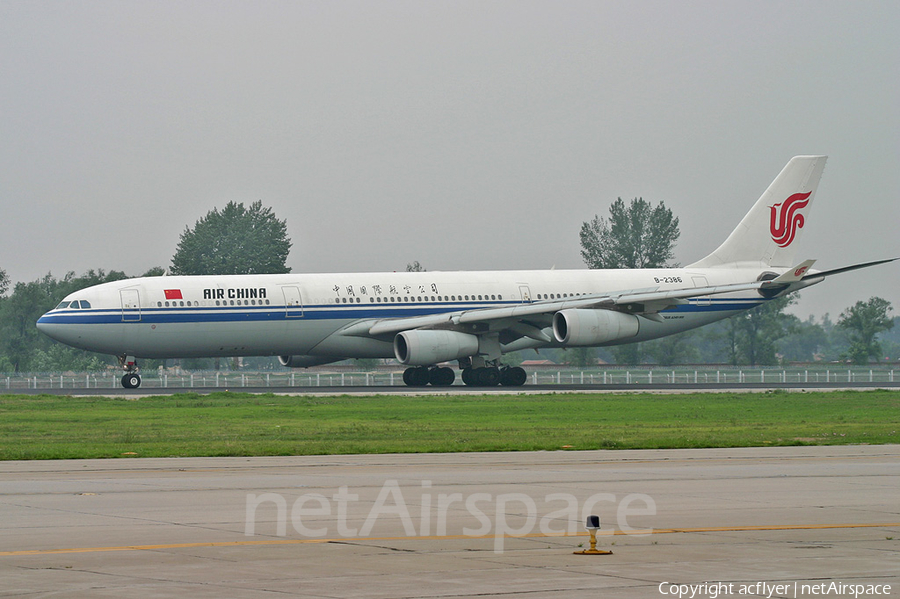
x,y
465,135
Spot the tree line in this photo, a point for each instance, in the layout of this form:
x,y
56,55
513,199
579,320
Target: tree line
x,y
244,240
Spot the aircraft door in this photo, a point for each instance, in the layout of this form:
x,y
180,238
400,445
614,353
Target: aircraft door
x,y
701,282
131,305
293,305
525,294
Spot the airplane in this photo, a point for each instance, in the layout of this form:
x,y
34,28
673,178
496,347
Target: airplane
x,y
426,319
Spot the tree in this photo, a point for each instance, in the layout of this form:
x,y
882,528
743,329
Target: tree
x,y
674,349
4,281
808,341
630,353
155,271
581,357
754,334
21,345
414,267
864,321
236,240
636,236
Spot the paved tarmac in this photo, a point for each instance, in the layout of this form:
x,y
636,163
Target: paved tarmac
x,y
456,525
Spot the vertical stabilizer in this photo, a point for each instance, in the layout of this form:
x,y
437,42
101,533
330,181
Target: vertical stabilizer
x,y
768,233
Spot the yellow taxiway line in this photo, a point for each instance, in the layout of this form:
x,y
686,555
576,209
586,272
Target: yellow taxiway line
x,y
441,538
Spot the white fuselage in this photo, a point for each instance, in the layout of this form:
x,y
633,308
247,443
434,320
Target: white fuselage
x,y
305,314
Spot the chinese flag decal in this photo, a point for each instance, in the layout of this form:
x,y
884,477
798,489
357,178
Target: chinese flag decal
x,y
173,294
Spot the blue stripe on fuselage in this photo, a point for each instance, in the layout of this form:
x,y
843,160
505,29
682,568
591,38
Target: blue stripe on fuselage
x,y
328,312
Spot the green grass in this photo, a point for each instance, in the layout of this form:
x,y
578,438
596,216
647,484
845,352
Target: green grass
x,y
237,424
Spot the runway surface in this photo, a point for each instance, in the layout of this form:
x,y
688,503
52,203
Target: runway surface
x,y
455,525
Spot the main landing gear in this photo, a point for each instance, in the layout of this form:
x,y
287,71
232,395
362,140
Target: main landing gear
x,y
491,376
436,376
485,376
131,380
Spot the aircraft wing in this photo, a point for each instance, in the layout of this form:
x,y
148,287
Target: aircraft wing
x,y
638,301
643,302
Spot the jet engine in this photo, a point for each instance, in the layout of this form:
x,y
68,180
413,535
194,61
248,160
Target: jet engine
x,y
426,347
575,327
305,361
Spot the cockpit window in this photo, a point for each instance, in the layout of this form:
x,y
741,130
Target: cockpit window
x,y
62,305
85,305
74,305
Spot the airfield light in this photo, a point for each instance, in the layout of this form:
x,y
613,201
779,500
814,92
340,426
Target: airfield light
x,y
593,525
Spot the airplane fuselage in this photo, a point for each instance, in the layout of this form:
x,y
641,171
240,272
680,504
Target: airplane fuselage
x,y
299,314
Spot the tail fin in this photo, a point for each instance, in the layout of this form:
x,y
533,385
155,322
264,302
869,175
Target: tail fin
x,y
768,233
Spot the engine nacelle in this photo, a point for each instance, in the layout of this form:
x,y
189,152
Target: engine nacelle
x,y
423,348
575,327
305,361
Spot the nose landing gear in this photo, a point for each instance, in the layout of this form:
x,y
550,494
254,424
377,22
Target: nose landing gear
x,y
131,380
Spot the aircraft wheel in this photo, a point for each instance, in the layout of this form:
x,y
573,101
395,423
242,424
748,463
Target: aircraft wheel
x,y
442,377
513,377
417,376
488,377
468,376
131,381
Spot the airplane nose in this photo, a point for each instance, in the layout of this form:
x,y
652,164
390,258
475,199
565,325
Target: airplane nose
x,y
46,326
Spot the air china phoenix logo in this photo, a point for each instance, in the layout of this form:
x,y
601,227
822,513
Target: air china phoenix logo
x,y
786,218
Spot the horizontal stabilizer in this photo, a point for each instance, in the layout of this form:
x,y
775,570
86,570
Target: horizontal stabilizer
x,y
793,275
